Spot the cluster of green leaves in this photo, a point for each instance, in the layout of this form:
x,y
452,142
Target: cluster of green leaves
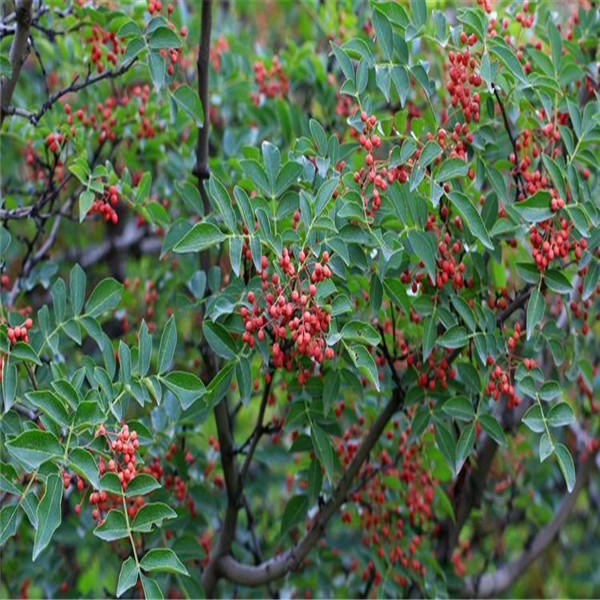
x,y
72,404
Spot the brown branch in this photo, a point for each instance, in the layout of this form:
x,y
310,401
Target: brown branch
x,y
281,564
202,170
89,80
18,53
259,429
493,584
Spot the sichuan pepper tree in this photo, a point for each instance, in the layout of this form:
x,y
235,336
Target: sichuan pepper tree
x,y
343,341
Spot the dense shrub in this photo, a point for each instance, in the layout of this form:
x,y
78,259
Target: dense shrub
x,y
344,342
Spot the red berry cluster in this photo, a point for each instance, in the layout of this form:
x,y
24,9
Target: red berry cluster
x,y
523,18
436,369
54,141
19,333
171,480
550,243
289,312
461,553
123,448
372,182
103,205
99,56
462,78
380,507
272,83
220,46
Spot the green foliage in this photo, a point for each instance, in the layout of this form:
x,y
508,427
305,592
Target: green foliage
x,y
383,286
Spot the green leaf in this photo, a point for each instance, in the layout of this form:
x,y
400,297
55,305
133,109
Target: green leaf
x,y
397,293
163,37
50,405
561,415
59,299
323,449
134,47
591,279
49,515
152,514
361,333
451,168
535,208
106,295
459,408
429,336
109,482
128,576
557,282
465,311
319,136
535,310
219,384
163,560
142,190
168,341
34,447
429,153
145,349
419,12
9,384
556,175
255,172
221,198
446,444
534,419
24,351
345,62
82,461
424,249
465,445
455,337
141,484
471,218
157,68
151,589
550,390
402,85
546,447
8,522
243,374
383,31
199,238
188,100
186,386
294,513
500,49
219,339
314,481
288,175
366,365
565,461
555,43
272,159
491,426
86,199
114,527
77,288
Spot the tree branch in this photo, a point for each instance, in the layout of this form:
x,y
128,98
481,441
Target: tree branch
x,y
18,52
282,564
202,170
492,584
